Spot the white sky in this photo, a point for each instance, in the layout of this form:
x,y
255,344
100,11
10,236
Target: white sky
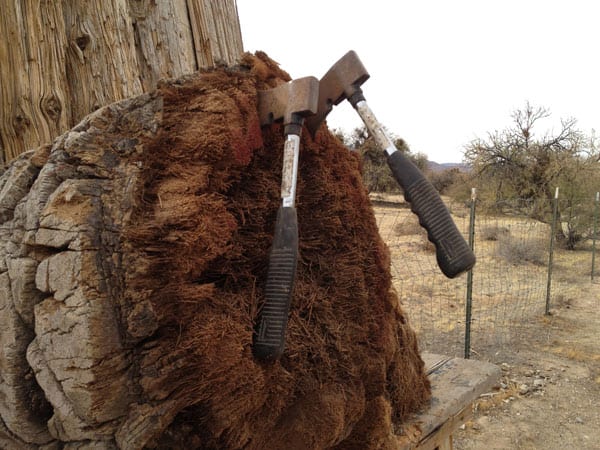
x,y
442,72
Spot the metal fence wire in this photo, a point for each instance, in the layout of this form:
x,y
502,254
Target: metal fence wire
x,y
515,276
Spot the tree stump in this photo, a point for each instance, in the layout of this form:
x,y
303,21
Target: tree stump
x,y
133,259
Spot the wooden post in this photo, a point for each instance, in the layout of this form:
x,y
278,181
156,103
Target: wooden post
x,y
59,61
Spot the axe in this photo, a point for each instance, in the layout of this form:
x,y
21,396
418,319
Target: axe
x,y
343,81
290,102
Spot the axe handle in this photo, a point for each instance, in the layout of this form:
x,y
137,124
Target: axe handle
x,y
453,254
269,339
289,171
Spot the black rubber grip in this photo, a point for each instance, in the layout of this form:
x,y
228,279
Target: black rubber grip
x,y
454,255
269,339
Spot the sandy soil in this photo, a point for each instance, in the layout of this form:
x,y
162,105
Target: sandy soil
x,y
550,392
549,397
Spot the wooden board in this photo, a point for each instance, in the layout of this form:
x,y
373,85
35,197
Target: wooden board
x,y
456,383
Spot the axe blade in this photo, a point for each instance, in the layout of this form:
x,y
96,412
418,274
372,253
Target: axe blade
x,y
341,82
288,101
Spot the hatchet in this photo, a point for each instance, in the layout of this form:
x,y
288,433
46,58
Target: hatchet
x,y
290,102
343,81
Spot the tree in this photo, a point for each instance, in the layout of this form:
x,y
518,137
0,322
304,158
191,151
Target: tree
x,y
59,62
443,180
377,175
579,180
62,60
133,258
520,163
517,162
134,244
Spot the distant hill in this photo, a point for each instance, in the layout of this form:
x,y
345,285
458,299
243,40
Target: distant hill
x,y
437,167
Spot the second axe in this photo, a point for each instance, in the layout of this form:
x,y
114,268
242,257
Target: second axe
x,y
290,102
342,81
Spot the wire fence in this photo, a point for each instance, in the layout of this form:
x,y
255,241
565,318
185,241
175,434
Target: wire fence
x,y
521,274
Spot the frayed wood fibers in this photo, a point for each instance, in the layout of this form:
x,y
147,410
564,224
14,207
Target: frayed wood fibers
x,y
351,372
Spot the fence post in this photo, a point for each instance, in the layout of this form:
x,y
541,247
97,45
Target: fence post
x,y
595,232
468,308
551,252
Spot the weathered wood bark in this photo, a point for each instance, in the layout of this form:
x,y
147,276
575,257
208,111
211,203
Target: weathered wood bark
x,y
60,263
61,60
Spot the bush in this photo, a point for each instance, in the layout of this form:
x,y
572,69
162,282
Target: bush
x,y
494,232
521,251
460,189
408,228
441,181
378,177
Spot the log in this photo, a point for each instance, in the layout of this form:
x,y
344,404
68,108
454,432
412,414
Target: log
x,y
133,256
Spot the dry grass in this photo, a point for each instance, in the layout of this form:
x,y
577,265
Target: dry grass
x,y
522,251
509,279
573,353
490,401
493,232
408,228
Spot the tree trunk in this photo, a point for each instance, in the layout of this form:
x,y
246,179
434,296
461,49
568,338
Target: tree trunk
x,y
133,256
134,247
61,60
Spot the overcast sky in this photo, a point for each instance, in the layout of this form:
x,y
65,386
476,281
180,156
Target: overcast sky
x,y
442,72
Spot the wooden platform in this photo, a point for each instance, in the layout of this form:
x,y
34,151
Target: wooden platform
x,y
456,383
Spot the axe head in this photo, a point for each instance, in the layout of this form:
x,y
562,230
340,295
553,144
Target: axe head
x,y
341,81
290,102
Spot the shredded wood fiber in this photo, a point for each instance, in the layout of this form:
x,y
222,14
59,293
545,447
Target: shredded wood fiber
x,y
200,239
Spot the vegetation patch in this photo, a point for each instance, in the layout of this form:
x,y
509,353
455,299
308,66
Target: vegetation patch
x,y
521,251
494,232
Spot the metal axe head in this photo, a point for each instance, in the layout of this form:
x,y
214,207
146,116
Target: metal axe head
x,y
292,101
342,81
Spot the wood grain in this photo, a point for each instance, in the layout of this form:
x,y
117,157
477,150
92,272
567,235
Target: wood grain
x,y
456,383
60,61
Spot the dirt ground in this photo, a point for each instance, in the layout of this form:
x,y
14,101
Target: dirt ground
x,y
550,392
549,395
